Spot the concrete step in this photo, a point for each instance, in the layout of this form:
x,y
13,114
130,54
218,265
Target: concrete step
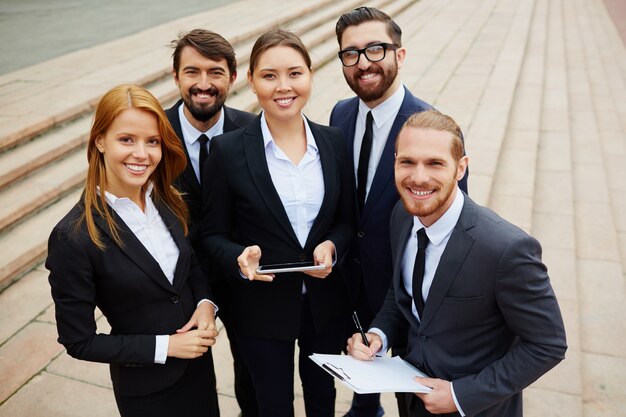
x,y
141,58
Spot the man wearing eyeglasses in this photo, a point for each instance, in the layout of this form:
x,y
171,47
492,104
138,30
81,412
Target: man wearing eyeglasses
x,y
371,54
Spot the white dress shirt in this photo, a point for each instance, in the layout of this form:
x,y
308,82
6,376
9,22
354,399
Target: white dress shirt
x,y
191,135
300,187
384,115
438,236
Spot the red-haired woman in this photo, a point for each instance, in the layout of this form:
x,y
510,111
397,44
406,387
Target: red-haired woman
x,y
122,248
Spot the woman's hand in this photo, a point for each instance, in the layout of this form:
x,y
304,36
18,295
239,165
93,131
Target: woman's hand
x,y
248,263
191,344
202,319
323,255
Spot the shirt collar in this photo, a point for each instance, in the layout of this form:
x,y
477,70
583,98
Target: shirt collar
x,y
267,135
191,134
385,110
438,231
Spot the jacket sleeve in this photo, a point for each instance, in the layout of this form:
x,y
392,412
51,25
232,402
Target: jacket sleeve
x,y
74,293
529,306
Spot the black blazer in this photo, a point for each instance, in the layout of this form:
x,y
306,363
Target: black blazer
x,y
491,322
187,182
243,208
128,286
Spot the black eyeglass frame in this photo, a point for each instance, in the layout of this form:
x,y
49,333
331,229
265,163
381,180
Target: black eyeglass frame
x,y
363,51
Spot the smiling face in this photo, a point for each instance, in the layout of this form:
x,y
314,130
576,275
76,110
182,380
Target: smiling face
x,y
373,82
426,173
282,82
204,85
131,148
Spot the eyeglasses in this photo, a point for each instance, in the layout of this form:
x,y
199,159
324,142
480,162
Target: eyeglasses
x,y
373,53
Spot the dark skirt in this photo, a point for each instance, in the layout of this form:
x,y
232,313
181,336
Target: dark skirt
x,y
194,394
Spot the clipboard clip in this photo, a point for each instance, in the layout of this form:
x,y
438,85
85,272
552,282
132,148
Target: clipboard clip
x,y
335,371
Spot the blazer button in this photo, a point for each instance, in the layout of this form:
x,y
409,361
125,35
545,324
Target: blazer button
x,y
174,299
424,338
302,257
360,233
357,261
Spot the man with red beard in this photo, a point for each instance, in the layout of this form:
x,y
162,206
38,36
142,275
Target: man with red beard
x,y
204,69
371,53
483,321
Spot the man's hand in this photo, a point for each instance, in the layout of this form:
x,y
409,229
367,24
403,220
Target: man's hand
x,y
357,349
248,263
439,400
323,255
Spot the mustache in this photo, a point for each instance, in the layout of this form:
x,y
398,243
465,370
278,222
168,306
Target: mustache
x,y
212,91
373,69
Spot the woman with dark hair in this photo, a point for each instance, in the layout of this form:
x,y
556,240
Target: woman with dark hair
x,y
122,249
280,190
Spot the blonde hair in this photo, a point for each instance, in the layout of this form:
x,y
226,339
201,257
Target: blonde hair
x,y
432,119
172,164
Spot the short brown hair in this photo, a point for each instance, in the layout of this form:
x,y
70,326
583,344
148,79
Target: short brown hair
x,y
432,119
209,44
368,14
277,37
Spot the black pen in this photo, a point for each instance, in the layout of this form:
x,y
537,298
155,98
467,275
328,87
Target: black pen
x,y
357,323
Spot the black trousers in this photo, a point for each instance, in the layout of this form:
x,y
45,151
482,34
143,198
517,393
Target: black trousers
x,y
271,364
193,395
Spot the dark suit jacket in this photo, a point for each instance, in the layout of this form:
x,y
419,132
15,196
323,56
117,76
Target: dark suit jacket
x,y
491,322
243,208
128,286
187,182
368,266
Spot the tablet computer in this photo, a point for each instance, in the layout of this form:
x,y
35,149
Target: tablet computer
x,y
289,267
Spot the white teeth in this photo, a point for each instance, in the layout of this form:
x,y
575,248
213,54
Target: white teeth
x,y
421,193
136,168
203,96
367,76
284,101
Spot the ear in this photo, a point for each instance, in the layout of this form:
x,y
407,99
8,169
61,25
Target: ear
x,y
251,83
99,144
233,77
400,55
175,75
461,167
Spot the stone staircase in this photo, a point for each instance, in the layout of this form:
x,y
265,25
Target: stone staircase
x,y
538,87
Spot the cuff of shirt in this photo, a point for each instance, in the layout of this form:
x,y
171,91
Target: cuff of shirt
x,y
456,402
206,300
160,350
383,337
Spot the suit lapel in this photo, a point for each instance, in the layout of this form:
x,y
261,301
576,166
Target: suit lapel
x,y
255,157
329,172
134,249
172,223
402,296
451,260
188,173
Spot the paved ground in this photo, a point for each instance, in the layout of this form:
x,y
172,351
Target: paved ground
x,y
50,28
538,86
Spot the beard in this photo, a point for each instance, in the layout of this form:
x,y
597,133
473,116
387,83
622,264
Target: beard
x,y
424,208
371,93
204,112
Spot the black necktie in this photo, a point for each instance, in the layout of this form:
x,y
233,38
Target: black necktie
x,y
364,160
204,152
418,270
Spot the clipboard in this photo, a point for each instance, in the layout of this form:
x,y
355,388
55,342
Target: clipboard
x,y
367,377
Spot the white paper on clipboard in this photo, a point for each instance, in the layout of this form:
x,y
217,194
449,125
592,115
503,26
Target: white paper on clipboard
x,y
368,377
